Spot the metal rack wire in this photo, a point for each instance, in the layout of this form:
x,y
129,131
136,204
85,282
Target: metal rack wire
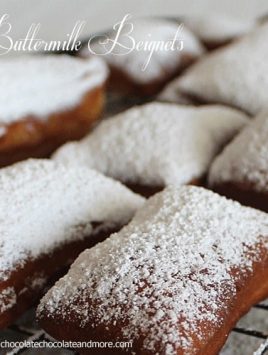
x,y
257,334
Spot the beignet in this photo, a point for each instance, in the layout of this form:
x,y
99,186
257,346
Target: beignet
x,y
174,281
154,145
241,170
217,30
234,75
137,72
46,101
49,213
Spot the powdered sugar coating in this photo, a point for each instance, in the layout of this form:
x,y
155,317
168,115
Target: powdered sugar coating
x,y
234,75
49,205
8,299
162,63
172,93
245,159
156,144
164,278
218,28
41,85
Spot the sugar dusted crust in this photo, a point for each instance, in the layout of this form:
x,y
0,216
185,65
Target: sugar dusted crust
x,y
218,30
245,158
26,283
33,138
241,170
40,116
233,75
175,280
54,213
156,144
122,82
61,79
128,74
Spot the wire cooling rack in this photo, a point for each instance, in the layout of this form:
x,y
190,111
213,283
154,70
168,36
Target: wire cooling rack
x,y
250,336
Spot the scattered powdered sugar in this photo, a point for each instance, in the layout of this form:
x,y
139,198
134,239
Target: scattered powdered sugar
x,y
41,85
49,204
36,281
234,75
156,144
163,62
245,159
218,28
166,275
8,299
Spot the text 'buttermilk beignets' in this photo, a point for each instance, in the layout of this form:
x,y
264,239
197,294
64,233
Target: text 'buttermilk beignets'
x,y
143,71
151,146
46,101
48,215
173,281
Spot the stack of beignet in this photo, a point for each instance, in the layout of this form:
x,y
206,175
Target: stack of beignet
x,y
177,277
